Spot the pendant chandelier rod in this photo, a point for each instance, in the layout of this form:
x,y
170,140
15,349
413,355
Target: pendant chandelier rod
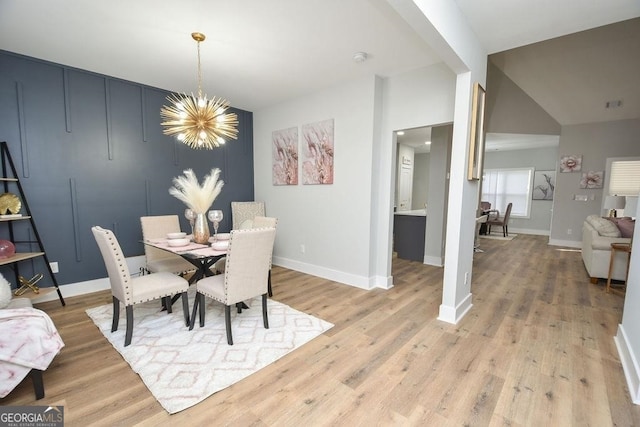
x,y
199,37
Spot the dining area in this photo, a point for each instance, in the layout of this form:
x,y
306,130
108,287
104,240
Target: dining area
x,y
228,267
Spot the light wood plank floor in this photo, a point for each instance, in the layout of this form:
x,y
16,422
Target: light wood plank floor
x,y
536,349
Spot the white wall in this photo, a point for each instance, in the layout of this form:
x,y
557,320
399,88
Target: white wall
x,y
423,97
628,337
334,222
331,221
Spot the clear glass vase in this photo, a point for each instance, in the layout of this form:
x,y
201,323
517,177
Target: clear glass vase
x,y
201,229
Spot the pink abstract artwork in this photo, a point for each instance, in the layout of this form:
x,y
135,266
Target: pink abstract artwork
x,y
285,156
317,165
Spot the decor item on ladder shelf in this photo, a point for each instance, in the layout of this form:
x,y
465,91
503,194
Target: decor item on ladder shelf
x,y
14,253
198,198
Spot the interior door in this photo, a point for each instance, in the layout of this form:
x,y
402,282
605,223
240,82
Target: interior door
x,y
405,188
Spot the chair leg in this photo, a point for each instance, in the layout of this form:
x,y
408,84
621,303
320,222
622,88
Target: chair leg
x,y
129,334
269,284
227,322
38,384
116,314
196,303
202,308
265,318
167,304
504,231
185,307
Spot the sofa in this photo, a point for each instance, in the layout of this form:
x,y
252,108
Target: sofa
x,y
598,234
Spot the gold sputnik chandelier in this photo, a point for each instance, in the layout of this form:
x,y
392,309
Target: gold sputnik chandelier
x,y
197,121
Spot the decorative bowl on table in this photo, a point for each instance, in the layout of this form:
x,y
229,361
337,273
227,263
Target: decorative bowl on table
x,y
180,235
178,242
220,245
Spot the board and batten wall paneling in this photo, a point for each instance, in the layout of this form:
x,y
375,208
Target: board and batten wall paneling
x,y
90,151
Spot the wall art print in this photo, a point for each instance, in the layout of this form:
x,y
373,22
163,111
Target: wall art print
x,y
285,156
592,179
317,150
571,163
544,184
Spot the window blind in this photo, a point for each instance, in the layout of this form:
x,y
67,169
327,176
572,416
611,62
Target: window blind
x,y
625,178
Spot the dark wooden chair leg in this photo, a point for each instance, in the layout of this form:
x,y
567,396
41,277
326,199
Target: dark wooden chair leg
x,y
38,384
269,284
185,308
227,321
116,314
265,318
196,303
202,308
129,334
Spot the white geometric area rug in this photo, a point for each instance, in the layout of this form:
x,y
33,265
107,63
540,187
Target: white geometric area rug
x,y
182,367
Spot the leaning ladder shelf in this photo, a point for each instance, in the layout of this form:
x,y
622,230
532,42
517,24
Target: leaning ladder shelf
x,y
7,180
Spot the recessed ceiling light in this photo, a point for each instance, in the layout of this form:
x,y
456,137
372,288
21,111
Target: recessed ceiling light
x,y
400,132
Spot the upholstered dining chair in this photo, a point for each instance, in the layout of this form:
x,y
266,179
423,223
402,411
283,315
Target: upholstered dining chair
x,y
243,211
257,222
245,276
157,260
134,290
503,222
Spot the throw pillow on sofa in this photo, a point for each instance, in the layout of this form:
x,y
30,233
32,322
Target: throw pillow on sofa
x,y
603,226
625,224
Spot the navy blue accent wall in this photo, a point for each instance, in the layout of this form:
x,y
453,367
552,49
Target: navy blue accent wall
x,y
89,150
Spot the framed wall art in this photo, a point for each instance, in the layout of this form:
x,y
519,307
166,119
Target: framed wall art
x,y
592,179
544,184
476,144
571,163
317,149
285,156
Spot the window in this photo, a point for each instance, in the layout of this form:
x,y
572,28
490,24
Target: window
x,y
625,178
503,186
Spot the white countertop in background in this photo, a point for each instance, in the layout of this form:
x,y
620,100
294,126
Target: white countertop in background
x,y
415,212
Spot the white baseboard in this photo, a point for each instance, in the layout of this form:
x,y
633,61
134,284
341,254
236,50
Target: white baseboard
x,y
434,261
335,275
567,243
629,364
529,231
90,286
453,315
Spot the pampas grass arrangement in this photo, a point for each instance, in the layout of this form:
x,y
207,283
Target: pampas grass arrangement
x,y
198,198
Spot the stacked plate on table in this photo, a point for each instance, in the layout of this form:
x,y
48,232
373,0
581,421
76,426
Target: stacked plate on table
x,y
177,239
220,241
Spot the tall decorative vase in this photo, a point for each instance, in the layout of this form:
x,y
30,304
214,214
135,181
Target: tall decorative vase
x,y
201,229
